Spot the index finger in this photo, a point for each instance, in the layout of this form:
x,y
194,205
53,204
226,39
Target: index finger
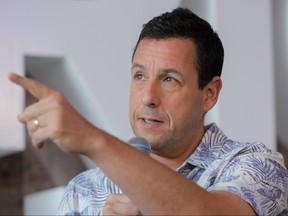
x,y
35,88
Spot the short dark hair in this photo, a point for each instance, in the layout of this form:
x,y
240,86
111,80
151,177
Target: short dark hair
x,y
183,23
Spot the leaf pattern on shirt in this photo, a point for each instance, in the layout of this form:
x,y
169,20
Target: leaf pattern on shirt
x,y
248,170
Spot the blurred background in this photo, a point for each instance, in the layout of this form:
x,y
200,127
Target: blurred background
x,y
83,48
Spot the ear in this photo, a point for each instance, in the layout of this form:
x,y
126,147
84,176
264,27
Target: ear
x,y
211,93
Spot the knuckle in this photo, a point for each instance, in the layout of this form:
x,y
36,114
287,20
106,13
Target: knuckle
x,y
57,127
58,97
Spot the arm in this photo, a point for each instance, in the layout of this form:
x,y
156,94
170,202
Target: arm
x,y
152,187
156,189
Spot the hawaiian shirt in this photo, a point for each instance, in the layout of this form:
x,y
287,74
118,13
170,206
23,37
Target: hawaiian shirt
x,y
248,170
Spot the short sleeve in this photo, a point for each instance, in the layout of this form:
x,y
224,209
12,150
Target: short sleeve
x,y
259,178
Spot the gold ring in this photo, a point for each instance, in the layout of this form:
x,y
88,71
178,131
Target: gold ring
x,y
36,123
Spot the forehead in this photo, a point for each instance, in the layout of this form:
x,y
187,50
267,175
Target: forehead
x,y
172,53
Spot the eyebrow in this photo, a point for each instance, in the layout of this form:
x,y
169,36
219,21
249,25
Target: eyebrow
x,y
171,70
165,70
136,65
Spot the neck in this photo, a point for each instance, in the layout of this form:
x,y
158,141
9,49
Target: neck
x,y
174,163
170,163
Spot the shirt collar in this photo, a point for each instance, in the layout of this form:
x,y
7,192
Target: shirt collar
x,y
205,153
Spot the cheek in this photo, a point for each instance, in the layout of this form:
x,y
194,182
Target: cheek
x,y
186,110
134,97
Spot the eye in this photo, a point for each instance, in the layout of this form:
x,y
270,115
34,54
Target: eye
x,y
139,76
170,79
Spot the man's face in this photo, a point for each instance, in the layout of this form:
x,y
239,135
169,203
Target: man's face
x,y
166,106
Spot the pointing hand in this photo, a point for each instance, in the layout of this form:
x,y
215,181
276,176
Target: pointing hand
x,y
53,118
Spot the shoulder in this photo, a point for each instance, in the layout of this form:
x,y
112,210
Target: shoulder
x,y
248,169
255,173
255,152
253,160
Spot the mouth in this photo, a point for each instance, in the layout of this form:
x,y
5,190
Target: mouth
x,y
150,121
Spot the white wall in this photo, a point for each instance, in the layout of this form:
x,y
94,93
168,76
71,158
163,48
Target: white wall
x,y
247,106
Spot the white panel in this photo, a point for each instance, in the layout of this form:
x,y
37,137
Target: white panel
x,y
247,110
44,202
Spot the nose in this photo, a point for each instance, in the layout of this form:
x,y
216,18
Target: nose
x,y
151,94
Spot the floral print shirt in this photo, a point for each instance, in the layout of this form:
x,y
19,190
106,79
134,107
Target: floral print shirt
x,y
248,170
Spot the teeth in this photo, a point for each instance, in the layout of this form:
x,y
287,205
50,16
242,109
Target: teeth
x,y
149,121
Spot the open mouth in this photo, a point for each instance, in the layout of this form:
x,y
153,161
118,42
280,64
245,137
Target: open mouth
x,y
150,121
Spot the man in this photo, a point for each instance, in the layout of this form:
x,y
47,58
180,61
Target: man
x,y
193,169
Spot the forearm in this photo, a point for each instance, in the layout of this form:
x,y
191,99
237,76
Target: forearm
x,y
154,188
